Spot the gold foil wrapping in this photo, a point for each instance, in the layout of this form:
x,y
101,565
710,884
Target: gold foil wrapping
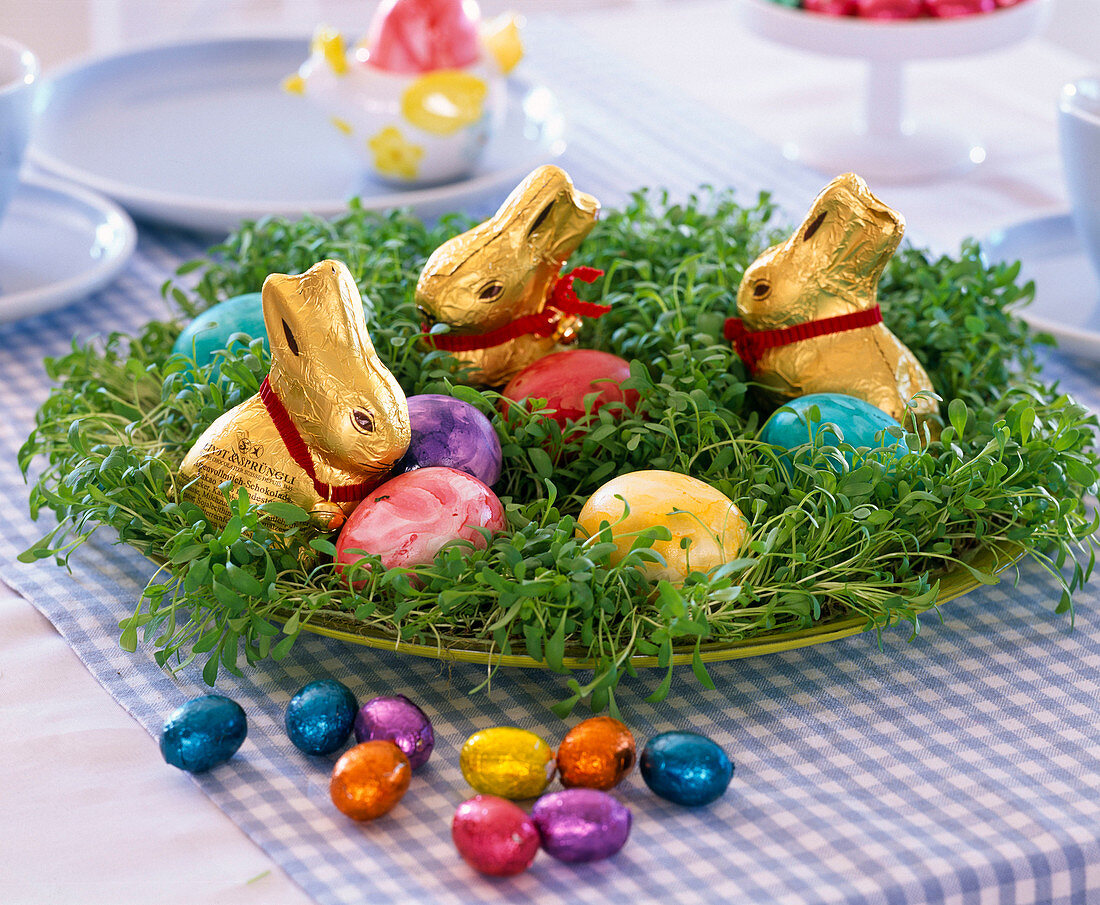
x,y
346,407
504,269
831,266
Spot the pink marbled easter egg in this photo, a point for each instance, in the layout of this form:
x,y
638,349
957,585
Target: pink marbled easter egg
x,y
408,519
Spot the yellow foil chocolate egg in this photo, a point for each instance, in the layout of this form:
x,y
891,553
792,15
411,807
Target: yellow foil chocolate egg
x,y
690,509
508,762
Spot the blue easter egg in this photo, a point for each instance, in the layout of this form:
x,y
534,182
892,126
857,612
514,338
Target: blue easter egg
x,y
857,420
320,716
210,331
451,433
204,732
685,768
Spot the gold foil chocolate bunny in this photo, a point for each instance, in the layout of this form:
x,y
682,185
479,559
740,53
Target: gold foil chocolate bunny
x,y
329,419
810,320
498,285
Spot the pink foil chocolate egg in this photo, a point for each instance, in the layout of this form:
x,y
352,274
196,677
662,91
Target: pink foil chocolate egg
x,y
954,9
890,9
408,519
831,7
494,836
563,379
423,35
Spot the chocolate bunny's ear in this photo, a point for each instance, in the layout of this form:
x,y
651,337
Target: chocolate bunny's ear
x,y
315,312
552,214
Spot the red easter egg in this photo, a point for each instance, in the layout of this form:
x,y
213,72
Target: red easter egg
x,y
423,35
409,518
890,9
563,379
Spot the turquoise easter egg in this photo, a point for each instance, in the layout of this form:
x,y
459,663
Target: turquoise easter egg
x,y
210,331
858,422
204,732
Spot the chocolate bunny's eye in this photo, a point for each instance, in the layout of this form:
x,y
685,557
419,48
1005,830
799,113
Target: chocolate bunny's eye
x,y
491,291
813,227
290,340
761,289
363,422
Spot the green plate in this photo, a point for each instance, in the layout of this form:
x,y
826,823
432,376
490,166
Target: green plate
x,y
953,583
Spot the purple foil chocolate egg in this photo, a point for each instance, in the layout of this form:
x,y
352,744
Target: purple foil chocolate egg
x,y
449,432
397,719
494,836
581,824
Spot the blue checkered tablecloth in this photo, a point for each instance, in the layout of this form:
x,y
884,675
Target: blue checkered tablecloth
x,y
960,767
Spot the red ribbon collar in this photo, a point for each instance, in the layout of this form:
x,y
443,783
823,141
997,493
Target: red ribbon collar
x,y
299,452
563,302
752,344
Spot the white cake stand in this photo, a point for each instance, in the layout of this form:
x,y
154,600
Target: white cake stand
x,y
885,145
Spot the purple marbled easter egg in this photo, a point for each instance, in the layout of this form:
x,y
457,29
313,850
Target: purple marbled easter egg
x,y
449,432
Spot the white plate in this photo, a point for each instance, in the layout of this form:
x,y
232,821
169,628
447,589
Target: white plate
x,y
201,135
58,243
1067,289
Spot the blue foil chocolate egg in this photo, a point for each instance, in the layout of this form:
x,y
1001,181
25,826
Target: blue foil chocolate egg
x,y
580,825
320,716
452,433
858,421
685,768
204,732
209,332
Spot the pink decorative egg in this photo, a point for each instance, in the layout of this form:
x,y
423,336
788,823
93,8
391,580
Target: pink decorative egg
x,y
495,836
409,518
423,35
563,379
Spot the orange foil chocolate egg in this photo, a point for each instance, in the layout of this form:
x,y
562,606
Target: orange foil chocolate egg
x,y
369,780
596,754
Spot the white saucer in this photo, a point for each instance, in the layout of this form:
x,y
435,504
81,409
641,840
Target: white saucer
x,y
1067,289
201,135
58,243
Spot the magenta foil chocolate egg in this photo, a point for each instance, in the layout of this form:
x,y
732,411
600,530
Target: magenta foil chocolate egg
x,y
581,824
397,719
494,836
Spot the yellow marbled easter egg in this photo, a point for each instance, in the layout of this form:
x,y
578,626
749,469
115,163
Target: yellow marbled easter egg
x,y
689,508
508,762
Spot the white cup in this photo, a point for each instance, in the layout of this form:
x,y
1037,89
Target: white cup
x,y
18,81
1079,133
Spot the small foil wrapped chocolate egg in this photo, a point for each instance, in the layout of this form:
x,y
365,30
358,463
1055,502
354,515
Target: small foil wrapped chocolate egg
x,y
319,717
409,519
508,762
204,732
890,9
452,433
597,753
685,768
369,779
700,516
210,331
494,836
580,825
399,720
